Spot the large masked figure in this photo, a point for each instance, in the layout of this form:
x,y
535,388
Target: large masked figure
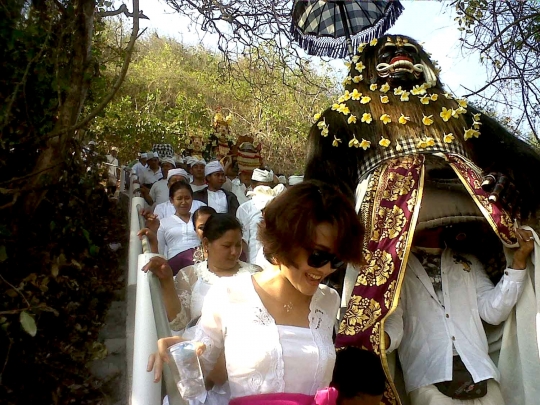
x,y
415,158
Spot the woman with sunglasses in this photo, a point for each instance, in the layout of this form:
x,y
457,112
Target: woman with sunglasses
x,y
275,327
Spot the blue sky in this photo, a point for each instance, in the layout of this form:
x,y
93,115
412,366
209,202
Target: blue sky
x,y
429,22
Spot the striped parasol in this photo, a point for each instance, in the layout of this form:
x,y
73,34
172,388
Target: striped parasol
x,y
335,28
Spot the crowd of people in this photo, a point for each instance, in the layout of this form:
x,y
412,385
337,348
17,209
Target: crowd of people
x,y
245,253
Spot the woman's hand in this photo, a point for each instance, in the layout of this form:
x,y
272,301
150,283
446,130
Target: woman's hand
x,y
526,246
156,360
160,267
151,220
152,238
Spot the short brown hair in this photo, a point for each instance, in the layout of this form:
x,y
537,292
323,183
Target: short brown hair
x,y
291,218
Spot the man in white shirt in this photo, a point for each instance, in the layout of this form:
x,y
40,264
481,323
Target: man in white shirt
x,y
139,167
197,171
166,209
214,196
159,193
437,326
249,214
112,170
152,173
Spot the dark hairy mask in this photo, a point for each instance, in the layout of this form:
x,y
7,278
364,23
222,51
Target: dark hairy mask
x,y
399,62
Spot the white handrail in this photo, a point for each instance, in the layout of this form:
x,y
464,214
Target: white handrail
x,y
150,319
143,389
135,245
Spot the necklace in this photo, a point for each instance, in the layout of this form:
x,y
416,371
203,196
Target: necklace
x,y
288,307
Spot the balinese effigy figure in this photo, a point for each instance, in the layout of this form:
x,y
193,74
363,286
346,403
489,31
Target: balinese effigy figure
x,y
418,160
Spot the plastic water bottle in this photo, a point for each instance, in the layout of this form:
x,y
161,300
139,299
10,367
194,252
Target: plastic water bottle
x,y
187,373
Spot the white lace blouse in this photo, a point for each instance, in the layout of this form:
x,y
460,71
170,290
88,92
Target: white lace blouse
x,y
258,356
192,283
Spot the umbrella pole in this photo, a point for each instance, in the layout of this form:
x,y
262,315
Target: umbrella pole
x,y
341,5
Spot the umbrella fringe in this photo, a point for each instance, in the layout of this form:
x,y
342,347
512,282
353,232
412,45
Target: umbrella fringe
x,y
337,47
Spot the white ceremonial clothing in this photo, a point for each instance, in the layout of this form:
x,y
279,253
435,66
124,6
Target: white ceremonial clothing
x,y
166,209
138,169
218,201
148,176
159,192
239,190
195,187
250,216
176,236
192,283
234,320
112,169
298,378
425,330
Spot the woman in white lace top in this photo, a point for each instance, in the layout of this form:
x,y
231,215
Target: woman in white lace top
x,y
275,327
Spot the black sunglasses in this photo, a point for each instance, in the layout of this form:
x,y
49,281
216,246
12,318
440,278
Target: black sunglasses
x,y
319,258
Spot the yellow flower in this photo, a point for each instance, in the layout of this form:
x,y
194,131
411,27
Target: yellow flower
x,y
335,106
316,117
385,118
434,97
427,120
469,133
446,114
385,87
373,86
355,95
347,64
355,58
425,99
321,124
336,142
361,47
343,109
405,96
430,141
476,117
354,142
373,42
476,124
365,99
384,142
448,96
462,102
422,144
418,90
384,99
364,144
358,78
461,110
324,131
359,66
448,138
398,91
341,99
403,120
228,118
347,95
347,80
352,119
366,117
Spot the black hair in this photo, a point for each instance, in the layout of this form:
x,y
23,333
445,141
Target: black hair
x,y
218,224
358,372
179,185
204,210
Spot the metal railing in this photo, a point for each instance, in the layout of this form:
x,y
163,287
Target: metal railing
x,y
151,320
